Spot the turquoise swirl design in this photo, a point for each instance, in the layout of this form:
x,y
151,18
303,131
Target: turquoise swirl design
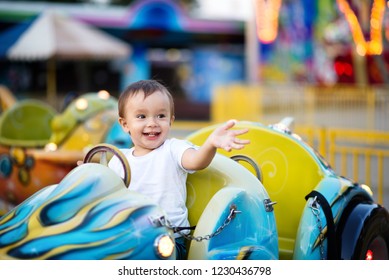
x,y
87,216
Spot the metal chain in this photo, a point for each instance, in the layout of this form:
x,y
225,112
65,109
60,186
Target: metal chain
x,y
227,221
315,206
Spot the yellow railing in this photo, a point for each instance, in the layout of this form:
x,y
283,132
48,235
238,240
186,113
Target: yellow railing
x,y
340,106
361,155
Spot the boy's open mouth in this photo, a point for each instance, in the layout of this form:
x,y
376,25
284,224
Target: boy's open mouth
x,y
151,134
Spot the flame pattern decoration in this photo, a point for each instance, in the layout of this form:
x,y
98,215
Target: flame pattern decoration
x,y
84,217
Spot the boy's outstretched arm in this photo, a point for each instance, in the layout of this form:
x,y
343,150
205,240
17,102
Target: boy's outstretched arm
x,y
222,137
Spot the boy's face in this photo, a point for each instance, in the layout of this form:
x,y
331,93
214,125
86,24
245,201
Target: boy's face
x,y
147,120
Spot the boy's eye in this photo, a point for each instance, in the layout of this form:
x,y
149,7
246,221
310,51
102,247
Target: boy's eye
x,y
140,116
161,116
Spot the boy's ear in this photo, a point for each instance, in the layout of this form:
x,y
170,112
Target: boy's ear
x,y
123,124
172,119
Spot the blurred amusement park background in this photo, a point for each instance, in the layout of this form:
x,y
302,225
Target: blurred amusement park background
x,y
324,63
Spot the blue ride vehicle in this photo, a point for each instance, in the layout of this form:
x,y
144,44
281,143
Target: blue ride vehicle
x,y
276,199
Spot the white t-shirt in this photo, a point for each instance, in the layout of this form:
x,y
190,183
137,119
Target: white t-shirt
x,y
160,176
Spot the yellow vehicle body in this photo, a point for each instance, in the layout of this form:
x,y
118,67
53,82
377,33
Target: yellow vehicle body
x,y
288,172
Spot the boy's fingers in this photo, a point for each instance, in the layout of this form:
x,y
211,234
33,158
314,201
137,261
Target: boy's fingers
x,y
241,131
241,141
233,146
229,124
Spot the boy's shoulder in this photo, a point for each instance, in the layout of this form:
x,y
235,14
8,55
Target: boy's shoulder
x,y
126,150
175,141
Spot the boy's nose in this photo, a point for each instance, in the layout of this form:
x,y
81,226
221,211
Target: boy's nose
x,y
152,122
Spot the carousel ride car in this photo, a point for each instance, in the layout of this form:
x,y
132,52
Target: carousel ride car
x,y
39,146
275,199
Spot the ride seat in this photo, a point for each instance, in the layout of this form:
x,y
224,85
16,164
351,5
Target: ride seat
x,y
201,187
211,194
27,123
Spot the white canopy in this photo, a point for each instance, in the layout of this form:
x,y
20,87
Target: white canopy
x,y
53,35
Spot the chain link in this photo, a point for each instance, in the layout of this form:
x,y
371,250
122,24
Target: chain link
x,y
315,206
226,222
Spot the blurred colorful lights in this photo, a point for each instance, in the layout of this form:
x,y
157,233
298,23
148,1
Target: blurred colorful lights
x,y
266,18
343,68
363,47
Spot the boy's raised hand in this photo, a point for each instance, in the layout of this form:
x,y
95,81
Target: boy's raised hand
x,y
226,138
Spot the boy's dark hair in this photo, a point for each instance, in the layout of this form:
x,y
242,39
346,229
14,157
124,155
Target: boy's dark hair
x,y
148,87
